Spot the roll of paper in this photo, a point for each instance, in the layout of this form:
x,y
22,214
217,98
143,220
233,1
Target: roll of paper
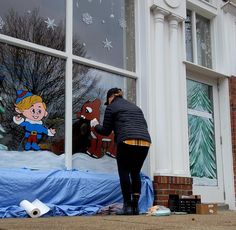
x,y
41,206
31,210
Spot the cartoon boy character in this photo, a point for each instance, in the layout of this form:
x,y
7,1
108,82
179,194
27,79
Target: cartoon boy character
x,y
33,109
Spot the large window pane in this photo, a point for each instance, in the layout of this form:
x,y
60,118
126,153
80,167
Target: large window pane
x,y
105,29
203,41
32,89
89,94
41,22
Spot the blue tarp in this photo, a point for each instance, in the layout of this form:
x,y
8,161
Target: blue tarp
x,y
66,192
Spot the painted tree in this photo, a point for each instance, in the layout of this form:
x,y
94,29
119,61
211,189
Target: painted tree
x,y
201,135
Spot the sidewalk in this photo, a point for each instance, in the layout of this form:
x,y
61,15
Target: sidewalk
x,y
220,221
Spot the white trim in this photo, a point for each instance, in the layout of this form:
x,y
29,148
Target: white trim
x,y
68,84
105,67
227,153
203,70
202,7
200,113
32,46
61,54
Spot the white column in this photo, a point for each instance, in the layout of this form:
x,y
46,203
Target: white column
x,y
159,123
175,105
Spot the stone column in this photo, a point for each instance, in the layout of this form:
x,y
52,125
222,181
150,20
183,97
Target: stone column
x,y
159,120
178,159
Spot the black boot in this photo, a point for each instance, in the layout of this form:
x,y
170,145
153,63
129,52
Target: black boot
x,y
135,207
126,210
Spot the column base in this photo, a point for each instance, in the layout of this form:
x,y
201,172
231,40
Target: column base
x,y
166,185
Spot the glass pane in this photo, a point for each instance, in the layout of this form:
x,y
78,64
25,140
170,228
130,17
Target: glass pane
x,y
105,30
32,91
89,94
188,36
201,134
199,96
41,22
203,41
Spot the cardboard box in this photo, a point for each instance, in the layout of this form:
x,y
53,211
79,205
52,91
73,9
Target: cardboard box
x,y
206,208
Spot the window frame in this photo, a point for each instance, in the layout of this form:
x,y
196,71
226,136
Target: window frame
x,y
208,11
69,58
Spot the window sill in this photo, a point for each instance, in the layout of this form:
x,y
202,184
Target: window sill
x,y
203,70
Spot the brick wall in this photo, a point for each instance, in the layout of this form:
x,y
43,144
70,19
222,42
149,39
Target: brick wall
x,y
165,185
232,94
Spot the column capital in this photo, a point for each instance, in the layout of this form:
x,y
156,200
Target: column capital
x,y
158,10
173,17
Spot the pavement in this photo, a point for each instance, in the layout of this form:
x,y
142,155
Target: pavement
x,y
221,220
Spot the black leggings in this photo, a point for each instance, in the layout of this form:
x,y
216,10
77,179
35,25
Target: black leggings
x,y
130,159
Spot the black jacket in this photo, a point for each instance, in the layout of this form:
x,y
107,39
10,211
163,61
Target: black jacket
x,y
126,120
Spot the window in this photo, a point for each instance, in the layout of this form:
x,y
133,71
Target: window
x,y
23,71
202,150
103,56
105,30
41,22
198,39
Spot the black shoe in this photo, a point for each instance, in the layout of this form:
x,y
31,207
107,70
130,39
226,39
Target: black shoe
x,y
135,207
126,210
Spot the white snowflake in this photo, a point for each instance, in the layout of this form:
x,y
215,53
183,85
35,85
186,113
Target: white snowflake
x,y
203,45
77,4
90,1
100,1
2,23
87,18
50,23
107,44
122,23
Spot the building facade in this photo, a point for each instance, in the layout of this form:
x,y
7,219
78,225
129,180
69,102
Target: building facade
x,y
174,58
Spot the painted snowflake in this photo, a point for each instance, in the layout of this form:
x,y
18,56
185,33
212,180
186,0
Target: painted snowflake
x,y
107,44
2,23
50,23
87,18
122,23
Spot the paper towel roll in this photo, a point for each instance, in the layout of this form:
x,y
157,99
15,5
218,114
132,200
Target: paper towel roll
x,y
41,206
30,208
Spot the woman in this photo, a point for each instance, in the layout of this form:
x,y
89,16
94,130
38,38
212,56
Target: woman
x,y
133,142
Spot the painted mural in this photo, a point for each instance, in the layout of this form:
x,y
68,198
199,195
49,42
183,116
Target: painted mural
x,y
201,133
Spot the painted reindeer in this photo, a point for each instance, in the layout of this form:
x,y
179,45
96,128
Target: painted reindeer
x,y
86,139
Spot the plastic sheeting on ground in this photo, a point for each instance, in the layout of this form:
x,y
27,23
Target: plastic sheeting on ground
x,y
66,192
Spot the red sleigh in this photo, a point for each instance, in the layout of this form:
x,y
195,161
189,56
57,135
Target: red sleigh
x,y
99,145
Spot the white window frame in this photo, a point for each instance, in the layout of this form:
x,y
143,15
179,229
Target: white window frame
x,y
70,59
208,11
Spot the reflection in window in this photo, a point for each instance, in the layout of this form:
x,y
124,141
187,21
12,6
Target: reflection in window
x,y
201,134
89,94
32,86
203,41
198,35
41,22
106,30
188,36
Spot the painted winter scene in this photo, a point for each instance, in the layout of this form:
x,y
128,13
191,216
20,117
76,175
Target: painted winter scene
x,y
32,84
91,151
